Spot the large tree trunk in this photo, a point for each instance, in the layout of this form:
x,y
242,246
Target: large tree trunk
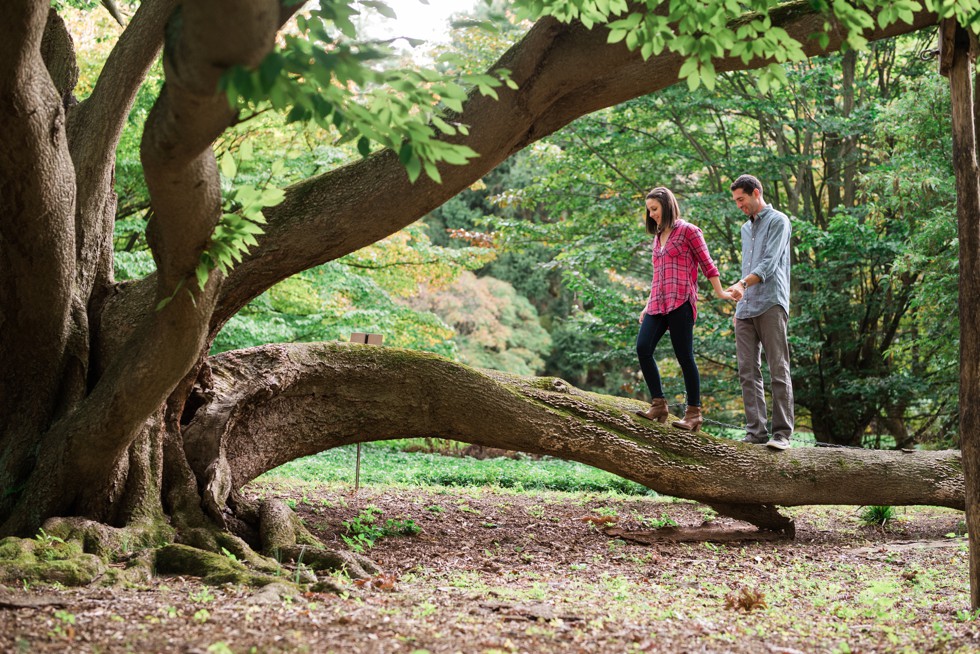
x,y
272,404
957,54
121,383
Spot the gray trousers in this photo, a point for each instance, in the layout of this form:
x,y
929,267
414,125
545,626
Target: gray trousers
x,y
766,332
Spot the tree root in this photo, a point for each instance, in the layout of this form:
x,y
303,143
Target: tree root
x,y
284,536
107,542
48,559
319,559
77,551
763,516
211,567
220,557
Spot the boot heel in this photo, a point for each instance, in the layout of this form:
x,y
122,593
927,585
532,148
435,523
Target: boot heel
x,y
657,412
692,419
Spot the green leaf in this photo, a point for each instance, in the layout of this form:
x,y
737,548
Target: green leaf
x,y
708,76
269,70
488,91
405,153
443,126
380,7
201,272
693,81
271,197
364,146
689,67
453,104
615,36
432,172
228,166
413,167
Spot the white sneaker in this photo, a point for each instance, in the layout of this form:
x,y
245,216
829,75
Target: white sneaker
x,y
779,443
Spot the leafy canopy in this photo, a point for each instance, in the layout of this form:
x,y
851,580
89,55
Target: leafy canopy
x,y
325,73
704,30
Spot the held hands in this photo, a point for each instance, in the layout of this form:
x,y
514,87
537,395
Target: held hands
x,y
727,295
735,292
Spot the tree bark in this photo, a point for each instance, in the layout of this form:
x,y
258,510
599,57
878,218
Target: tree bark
x,y
36,235
272,404
958,52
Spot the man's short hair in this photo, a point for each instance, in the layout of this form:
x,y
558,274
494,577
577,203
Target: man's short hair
x,y
747,183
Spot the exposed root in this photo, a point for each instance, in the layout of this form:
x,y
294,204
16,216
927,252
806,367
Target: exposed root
x,y
211,567
108,542
284,537
48,559
77,551
229,546
763,516
355,565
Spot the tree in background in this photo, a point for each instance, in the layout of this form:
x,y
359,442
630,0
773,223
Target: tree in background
x,y
495,327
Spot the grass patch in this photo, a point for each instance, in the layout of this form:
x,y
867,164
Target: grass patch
x,y
383,463
877,516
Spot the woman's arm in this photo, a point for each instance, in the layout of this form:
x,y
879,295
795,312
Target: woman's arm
x,y
699,248
720,292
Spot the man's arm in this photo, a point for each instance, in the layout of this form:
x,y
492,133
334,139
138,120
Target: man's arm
x,y
777,240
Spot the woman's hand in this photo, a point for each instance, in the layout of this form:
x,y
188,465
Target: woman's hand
x,y
733,293
727,295
643,313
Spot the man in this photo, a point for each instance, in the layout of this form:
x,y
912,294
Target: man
x,y
761,315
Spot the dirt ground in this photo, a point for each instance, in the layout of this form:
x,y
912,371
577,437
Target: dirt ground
x,y
499,571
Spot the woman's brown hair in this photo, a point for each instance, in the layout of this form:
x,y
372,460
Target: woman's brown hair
x,y
669,210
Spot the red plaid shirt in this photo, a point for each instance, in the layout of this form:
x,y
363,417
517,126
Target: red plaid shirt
x,y
675,269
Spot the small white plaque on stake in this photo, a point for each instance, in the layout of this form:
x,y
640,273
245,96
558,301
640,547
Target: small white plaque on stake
x,y
368,339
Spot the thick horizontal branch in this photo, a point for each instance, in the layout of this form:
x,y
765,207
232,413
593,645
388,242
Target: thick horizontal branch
x,y
273,404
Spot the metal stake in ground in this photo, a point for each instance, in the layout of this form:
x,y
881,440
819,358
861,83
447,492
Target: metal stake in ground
x,y
367,339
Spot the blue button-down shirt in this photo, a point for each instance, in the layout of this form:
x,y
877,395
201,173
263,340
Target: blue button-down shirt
x,y
765,252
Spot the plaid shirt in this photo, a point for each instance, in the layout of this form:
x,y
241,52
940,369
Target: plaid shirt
x,y
675,269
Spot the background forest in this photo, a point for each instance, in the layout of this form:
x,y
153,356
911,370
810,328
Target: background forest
x,y
542,266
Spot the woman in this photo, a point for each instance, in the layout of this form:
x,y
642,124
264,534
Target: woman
x,y
678,250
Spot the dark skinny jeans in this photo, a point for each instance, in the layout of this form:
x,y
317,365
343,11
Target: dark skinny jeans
x,y
680,321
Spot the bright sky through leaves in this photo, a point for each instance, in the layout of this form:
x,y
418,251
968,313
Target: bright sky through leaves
x,y
429,22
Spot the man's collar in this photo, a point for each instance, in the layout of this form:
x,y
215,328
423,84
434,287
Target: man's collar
x,y
759,213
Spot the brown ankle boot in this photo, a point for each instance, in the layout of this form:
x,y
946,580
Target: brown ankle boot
x,y
692,419
657,411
